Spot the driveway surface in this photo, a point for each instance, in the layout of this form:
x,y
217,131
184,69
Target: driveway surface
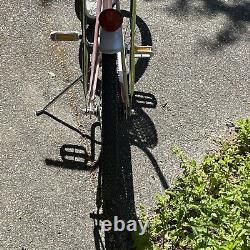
x,y
197,81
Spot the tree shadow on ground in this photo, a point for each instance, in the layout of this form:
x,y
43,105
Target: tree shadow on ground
x,y
237,13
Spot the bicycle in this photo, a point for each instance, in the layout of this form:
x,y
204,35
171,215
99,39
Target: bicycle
x,y
114,51
116,56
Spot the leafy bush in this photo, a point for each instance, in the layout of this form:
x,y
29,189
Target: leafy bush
x,y
209,205
244,134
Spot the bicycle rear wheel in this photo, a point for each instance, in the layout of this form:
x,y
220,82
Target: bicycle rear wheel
x,y
109,155
110,101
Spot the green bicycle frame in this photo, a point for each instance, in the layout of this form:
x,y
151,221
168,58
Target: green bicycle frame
x,y
132,49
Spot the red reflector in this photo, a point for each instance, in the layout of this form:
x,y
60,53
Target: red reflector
x,y
110,20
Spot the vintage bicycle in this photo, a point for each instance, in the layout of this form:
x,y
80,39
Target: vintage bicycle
x,y
113,52
108,56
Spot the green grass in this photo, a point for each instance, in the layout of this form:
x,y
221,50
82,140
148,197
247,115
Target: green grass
x,y
209,205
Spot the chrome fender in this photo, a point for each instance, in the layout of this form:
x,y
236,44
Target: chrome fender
x,y
111,42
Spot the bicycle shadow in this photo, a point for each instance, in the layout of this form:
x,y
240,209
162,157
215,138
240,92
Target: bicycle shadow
x,y
75,157
142,132
138,130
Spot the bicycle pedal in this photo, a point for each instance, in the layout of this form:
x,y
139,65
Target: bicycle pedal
x,y
65,36
143,51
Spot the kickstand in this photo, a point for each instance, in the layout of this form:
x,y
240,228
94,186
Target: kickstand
x,y
43,111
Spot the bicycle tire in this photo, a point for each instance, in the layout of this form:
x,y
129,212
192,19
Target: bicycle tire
x,y
110,162
109,155
78,10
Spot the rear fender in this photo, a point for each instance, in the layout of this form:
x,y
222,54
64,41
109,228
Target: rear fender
x,y
111,42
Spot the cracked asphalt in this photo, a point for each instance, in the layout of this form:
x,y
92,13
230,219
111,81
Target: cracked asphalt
x,y
199,77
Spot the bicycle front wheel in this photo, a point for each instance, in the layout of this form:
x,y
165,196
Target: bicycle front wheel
x,y
90,10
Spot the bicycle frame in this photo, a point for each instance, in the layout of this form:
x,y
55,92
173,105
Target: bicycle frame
x,y
109,42
104,42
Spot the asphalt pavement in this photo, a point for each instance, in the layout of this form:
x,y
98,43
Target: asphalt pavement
x,y
197,81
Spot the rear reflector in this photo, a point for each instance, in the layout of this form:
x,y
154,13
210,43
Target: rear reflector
x,y
110,20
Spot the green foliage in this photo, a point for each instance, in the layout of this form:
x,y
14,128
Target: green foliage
x,y
209,205
244,134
